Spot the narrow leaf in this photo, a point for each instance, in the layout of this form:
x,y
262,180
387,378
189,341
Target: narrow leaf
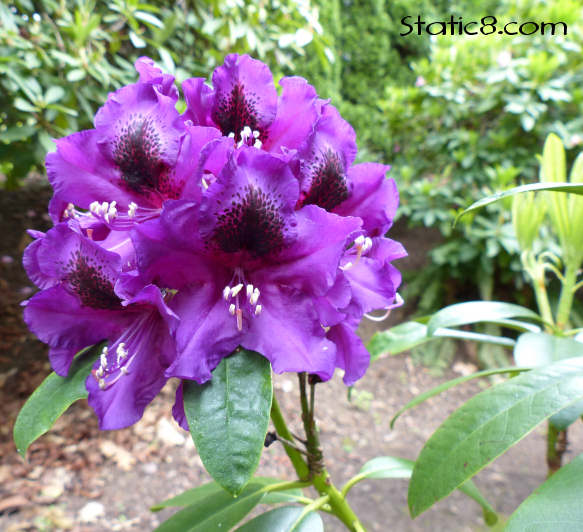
x,y
219,511
533,187
228,417
397,339
48,402
450,384
555,505
391,467
476,312
194,495
282,520
487,425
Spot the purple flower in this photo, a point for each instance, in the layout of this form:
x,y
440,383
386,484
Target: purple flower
x,y
87,298
244,105
248,268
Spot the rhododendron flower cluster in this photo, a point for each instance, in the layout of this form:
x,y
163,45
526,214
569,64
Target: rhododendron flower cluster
x,y
242,221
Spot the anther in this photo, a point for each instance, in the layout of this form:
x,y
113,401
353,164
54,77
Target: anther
x,y
253,299
249,289
101,383
226,293
347,266
132,208
258,310
258,144
124,370
236,289
232,309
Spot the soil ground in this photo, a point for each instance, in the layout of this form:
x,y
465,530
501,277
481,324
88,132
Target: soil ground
x,y
80,479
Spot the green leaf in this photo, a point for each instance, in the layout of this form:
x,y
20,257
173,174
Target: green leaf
x,y
533,187
228,417
397,339
391,467
450,384
555,505
387,467
218,511
194,495
77,74
489,424
541,349
48,402
54,94
283,520
475,312
276,497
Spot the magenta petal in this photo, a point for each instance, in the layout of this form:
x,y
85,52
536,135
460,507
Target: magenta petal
x,y
178,408
199,97
374,198
59,319
122,404
151,74
311,263
80,174
206,333
296,115
351,355
288,333
244,96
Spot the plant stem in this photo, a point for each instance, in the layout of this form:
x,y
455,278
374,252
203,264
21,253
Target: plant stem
x,y
280,426
320,477
567,294
556,447
536,271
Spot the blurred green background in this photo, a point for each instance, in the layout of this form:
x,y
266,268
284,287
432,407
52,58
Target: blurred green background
x,y
456,116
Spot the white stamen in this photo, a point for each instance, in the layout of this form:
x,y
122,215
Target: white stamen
x,y
132,208
231,135
121,352
95,207
367,244
258,310
226,293
232,309
249,289
359,241
256,134
103,360
99,372
70,211
101,383
204,184
347,266
253,299
124,370
236,289
258,144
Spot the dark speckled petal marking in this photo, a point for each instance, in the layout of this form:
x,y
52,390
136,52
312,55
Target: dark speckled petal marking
x,y
253,223
235,110
137,153
328,187
87,279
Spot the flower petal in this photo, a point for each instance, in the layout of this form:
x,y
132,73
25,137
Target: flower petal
x,y
351,355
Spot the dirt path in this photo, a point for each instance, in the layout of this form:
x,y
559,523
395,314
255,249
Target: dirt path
x,y
78,478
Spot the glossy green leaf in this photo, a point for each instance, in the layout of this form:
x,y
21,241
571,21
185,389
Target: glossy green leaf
x,y
487,425
228,417
541,349
450,384
391,467
194,495
48,402
555,505
283,520
533,187
397,339
218,511
477,312
276,497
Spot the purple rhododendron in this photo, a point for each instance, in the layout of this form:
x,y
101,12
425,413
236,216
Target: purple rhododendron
x,y
177,238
